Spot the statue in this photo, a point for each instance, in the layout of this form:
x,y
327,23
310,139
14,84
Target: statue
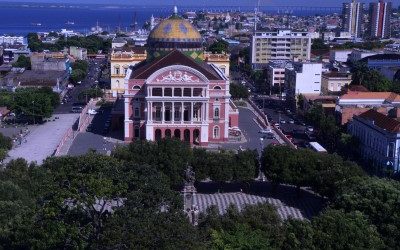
x,y
189,176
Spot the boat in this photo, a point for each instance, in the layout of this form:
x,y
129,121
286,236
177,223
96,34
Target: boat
x,y
70,23
36,24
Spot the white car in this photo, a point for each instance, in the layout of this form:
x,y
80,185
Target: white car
x,y
291,121
265,131
92,112
283,121
310,129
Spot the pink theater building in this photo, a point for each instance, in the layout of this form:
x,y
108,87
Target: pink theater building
x,y
175,93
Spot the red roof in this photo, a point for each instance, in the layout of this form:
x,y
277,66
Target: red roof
x,y
145,69
381,120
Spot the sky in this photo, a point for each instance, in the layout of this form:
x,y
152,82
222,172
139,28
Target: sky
x,y
313,3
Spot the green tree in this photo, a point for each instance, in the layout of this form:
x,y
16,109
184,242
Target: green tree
x,y
241,237
23,62
77,75
298,235
219,46
90,93
238,91
335,229
318,44
378,199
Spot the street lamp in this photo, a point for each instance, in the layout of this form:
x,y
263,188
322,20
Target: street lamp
x,y
260,174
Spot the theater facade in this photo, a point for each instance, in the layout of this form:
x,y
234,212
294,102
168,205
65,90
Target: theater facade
x,y
175,93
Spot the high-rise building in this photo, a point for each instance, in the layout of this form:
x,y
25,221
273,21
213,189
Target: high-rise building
x,y
280,45
379,15
353,18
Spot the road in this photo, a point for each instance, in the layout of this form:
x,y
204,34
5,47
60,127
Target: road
x,y
276,112
90,81
250,129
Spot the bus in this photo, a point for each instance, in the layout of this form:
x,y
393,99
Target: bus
x,y
317,147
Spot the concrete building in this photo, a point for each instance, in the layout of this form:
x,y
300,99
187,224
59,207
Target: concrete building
x,y
386,64
339,55
380,14
57,80
303,78
379,137
43,62
78,53
356,102
275,72
358,54
120,62
353,18
174,93
333,82
280,45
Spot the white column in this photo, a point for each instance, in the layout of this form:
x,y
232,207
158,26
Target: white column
x,y
207,111
162,113
173,112
182,111
191,111
149,110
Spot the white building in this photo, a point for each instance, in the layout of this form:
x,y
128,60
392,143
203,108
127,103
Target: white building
x,y
280,45
339,55
303,78
379,137
9,40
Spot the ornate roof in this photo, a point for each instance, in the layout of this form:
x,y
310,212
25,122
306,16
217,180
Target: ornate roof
x,y
175,29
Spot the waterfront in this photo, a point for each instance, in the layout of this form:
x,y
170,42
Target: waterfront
x,y
22,19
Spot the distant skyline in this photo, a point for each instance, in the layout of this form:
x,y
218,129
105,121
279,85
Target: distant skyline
x,y
313,3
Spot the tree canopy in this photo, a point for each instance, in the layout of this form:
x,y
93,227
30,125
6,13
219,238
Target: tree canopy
x,y
219,46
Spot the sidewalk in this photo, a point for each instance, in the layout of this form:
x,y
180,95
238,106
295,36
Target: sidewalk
x,y
43,140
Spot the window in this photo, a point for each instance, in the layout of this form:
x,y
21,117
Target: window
x,y
216,113
157,92
217,88
167,92
125,71
216,132
136,87
391,149
137,112
223,69
117,70
137,132
177,92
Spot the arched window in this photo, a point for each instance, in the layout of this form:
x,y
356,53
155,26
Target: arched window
x,y
216,132
136,87
116,70
216,113
222,69
217,88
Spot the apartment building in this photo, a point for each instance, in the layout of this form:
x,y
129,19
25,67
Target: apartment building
x,y
280,45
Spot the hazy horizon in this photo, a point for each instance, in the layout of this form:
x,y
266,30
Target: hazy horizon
x,y
308,3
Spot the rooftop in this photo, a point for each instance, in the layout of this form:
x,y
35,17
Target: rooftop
x,y
335,74
381,120
145,69
386,96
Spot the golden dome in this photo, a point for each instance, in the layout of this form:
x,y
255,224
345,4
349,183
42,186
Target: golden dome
x,y
175,29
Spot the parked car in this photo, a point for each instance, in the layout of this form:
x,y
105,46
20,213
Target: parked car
x,y
283,121
92,112
310,129
291,121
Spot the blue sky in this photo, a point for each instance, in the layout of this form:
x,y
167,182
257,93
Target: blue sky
x,y
313,3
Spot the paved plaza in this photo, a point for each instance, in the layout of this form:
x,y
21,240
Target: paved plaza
x,y
43,140
288,202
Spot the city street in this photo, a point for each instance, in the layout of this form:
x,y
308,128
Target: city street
x,y
92,77
277,113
